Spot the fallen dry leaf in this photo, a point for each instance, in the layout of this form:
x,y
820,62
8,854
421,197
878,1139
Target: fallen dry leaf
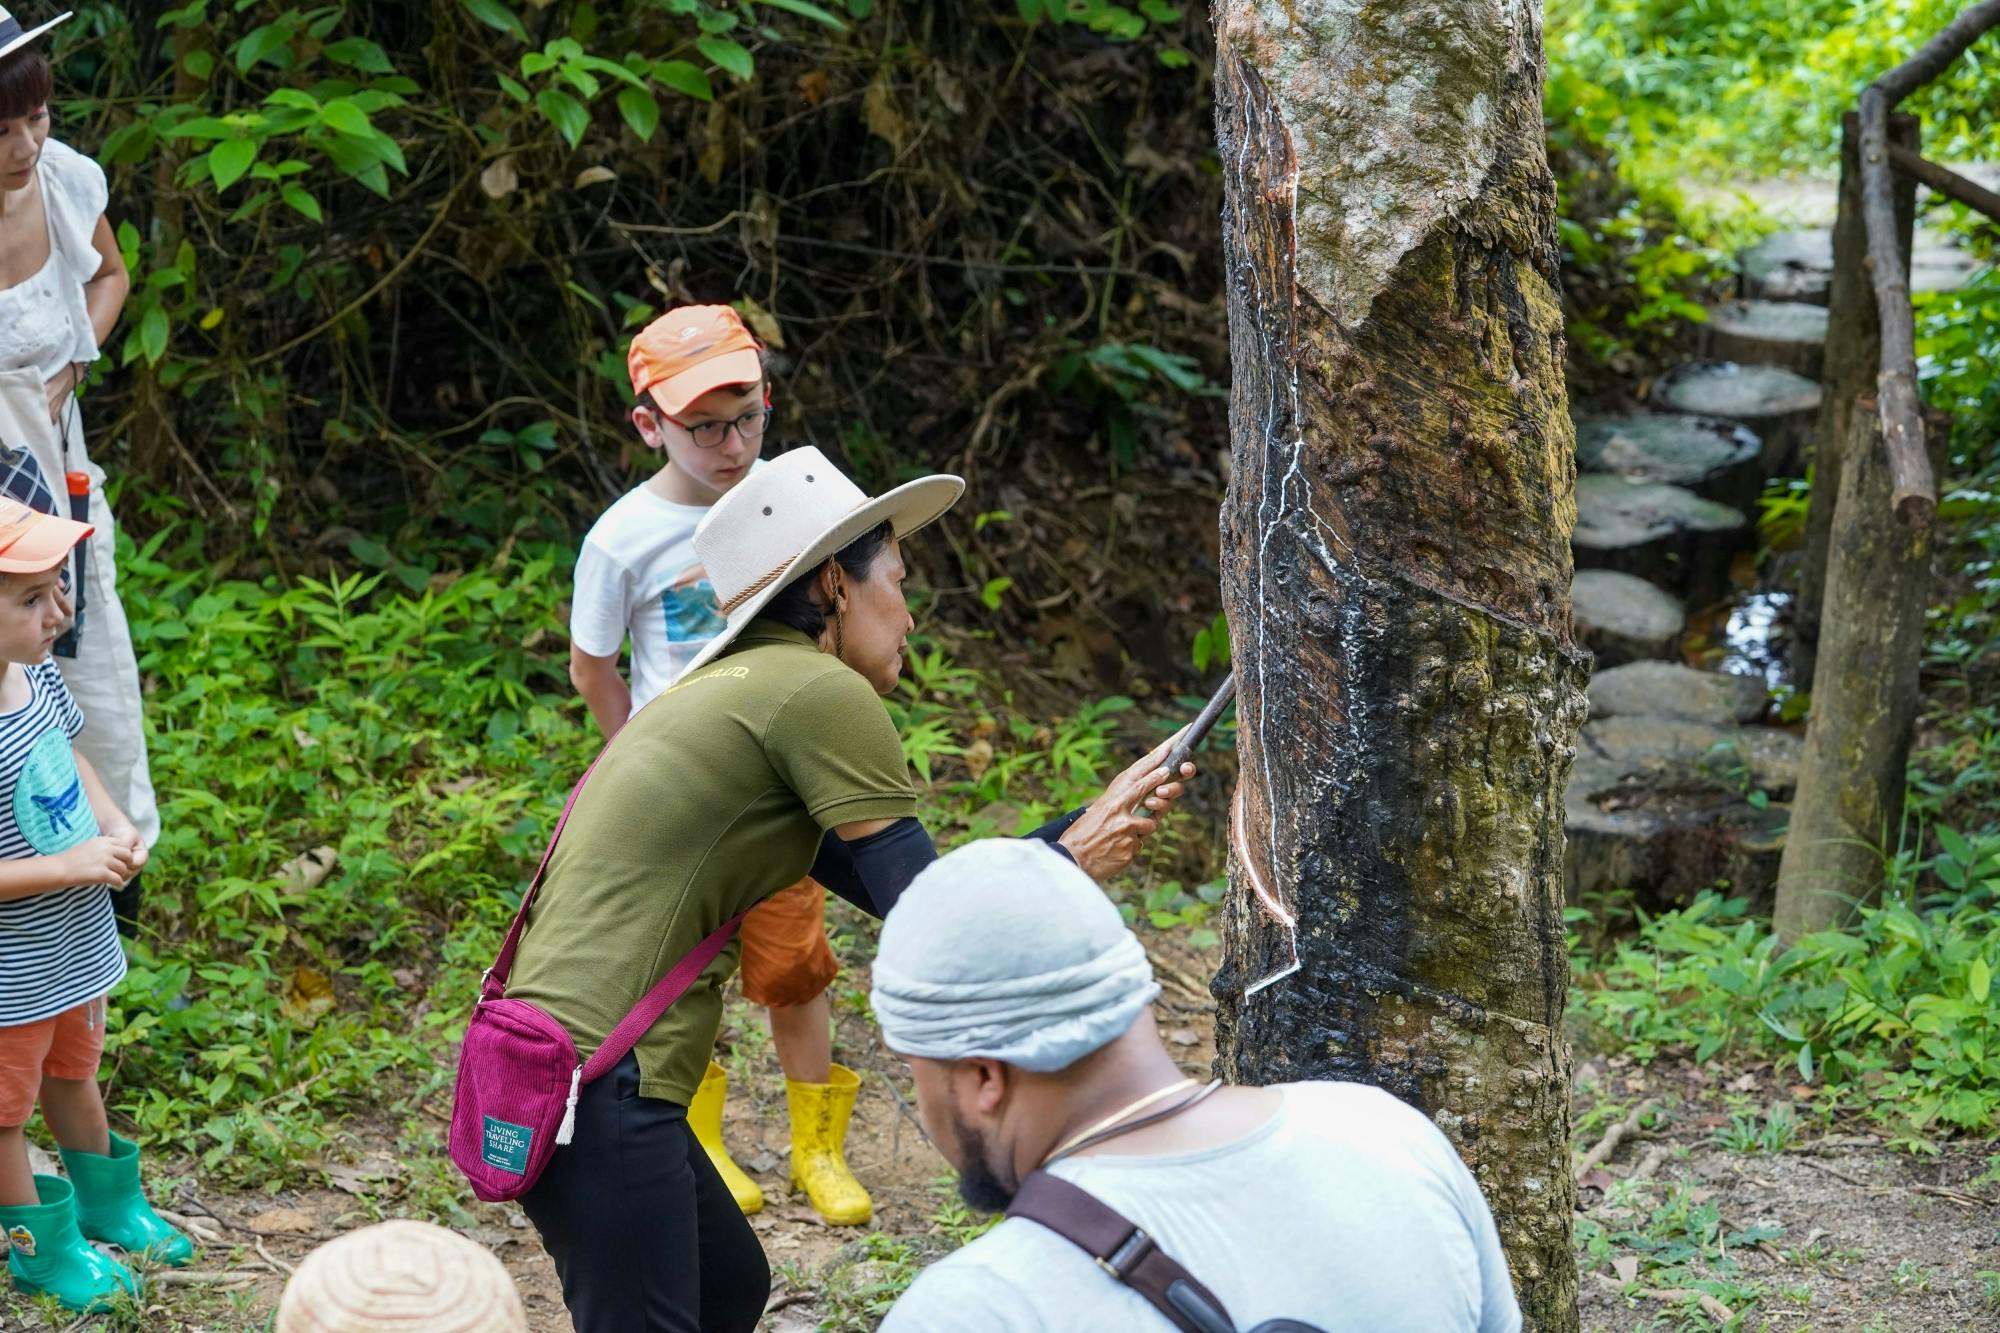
x,y
283,1222
1626,1267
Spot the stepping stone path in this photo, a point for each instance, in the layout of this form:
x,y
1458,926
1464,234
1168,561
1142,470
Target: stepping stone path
x,y
1623,618
1719,458
1778,404
1791,334
1677,783
1660,532
1798,265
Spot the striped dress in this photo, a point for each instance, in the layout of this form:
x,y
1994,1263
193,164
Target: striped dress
x,y
58,949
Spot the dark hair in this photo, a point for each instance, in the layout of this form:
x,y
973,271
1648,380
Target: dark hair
x,y
25,83
793,605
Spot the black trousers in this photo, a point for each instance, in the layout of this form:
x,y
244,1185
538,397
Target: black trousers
x,y
644,1234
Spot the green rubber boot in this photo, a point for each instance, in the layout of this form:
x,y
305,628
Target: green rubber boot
x,y
111,1205
48,1254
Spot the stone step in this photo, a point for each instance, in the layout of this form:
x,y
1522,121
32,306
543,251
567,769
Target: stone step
x,y
1716,458
1780,405
1622,618
1664,534
1664,807
1791,334
1798,265
1671,689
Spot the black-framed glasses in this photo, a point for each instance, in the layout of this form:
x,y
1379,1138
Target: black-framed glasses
x,y
711,434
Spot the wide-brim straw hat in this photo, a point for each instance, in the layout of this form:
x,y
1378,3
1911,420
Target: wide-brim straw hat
x,y
13,36
786,518
401,1277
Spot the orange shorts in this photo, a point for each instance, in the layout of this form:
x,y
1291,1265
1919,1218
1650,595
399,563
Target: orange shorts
x,y
65,1046
786,959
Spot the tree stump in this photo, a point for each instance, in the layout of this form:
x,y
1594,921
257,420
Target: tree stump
x,y
1791,334
1664,534
1778,404
1716,458
1798,265
1789,266
1669,806
1623,618
1669,689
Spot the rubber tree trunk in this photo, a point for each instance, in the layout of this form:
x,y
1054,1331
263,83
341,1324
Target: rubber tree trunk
x,y
1853,357
1396,572
1848,810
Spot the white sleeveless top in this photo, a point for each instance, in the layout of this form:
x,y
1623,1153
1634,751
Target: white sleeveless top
x,y
45,321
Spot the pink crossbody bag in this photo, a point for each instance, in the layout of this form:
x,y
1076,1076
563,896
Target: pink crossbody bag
x,y
518,1075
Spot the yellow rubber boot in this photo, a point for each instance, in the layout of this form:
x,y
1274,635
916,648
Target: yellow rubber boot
x,y
705,1119
819,1135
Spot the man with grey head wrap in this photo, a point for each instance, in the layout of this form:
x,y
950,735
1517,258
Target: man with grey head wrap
x,y
1022,1003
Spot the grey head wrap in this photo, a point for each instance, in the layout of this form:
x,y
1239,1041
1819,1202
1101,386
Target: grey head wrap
x,y
1006,950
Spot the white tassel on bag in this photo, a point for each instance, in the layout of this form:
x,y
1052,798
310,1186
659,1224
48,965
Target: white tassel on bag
x,y
568,1129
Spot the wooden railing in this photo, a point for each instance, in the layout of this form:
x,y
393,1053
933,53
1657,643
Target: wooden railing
x,y
1865,578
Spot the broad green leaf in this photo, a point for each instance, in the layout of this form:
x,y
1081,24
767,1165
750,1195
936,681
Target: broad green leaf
x,y
265,43
1978,980
228,160
495,14
153,328
301,200
512,89
860,9
685,78
728,55
341,114
296,98
359,53
806,9
565,113
640,110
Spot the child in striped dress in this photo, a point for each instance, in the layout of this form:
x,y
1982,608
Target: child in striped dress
x,y
64,845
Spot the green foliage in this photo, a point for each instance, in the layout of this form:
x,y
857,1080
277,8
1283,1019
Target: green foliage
x,y
1682,1243
1893,1015
400,717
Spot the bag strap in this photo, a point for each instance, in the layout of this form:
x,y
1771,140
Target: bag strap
x,y
494,983
1123,1249
657,1000
651,1005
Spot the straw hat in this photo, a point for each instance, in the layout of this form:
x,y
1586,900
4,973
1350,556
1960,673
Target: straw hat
x,y
786,518
401,1277
13,36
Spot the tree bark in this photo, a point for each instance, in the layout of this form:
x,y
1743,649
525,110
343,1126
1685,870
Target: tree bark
x,y
1853,356
1396,572
1848,810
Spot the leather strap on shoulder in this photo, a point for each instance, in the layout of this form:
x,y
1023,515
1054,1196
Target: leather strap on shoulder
x,y
1123,1249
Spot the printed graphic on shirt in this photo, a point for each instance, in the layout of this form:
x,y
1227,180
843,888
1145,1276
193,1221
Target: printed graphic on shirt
x,y
692,616
50,807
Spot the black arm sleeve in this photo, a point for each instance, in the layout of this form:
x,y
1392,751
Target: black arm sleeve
x,y
872,872
1055,828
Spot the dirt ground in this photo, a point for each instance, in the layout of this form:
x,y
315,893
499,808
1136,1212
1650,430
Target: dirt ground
x,y
1847,1233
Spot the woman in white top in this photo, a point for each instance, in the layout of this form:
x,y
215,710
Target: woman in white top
x,y
62,284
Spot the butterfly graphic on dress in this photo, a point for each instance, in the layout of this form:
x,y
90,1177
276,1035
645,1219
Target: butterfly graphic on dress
x,y
60,807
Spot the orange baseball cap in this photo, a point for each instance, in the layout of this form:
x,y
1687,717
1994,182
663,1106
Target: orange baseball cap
x,y
32,542
686,352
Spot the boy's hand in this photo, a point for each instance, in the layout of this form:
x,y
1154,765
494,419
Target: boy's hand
x,y
101,860
134,842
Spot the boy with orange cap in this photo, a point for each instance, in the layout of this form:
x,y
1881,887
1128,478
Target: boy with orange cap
x,y
64,845
702,401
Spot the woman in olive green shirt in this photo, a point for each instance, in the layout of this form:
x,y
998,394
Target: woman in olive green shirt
x,y
772,757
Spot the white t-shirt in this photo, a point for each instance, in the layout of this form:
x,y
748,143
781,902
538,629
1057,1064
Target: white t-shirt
x,y
637,575
1347,1210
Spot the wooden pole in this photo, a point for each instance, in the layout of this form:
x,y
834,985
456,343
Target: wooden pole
x,y
1853,354
1945,181
1848,809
